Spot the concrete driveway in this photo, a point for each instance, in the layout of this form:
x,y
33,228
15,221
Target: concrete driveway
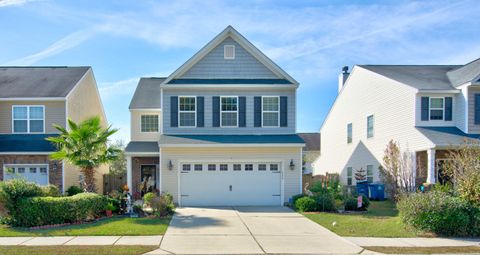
x,y
249,230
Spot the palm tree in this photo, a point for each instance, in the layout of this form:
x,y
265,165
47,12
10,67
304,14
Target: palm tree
x,y
85,145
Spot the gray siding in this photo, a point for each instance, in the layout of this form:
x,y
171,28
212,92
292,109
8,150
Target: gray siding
x,y
249,129
244,66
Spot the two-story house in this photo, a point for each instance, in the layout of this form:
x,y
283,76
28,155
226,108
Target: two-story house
x,y
427,109
220,130
32,99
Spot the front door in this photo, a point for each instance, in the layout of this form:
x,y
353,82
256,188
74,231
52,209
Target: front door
x,y
442,175
148,178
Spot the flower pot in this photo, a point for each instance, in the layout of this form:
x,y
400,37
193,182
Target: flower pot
x,y
109,213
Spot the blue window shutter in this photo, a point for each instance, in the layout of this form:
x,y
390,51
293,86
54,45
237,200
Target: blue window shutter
x,y
257,109
216,111
425,108
283,111
173,111
200,112
448,108
242,113
477,109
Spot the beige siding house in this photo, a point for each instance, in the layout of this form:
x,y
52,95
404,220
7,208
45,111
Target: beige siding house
x,y
32,99
424,108
218,131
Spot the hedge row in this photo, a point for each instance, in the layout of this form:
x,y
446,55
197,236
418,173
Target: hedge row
x,y
38,211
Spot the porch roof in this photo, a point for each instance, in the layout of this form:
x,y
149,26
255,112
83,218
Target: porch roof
x,y
220,140
23,143
446,136
142,147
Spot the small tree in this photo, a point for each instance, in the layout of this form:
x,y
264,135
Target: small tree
x,y
398,170
119,165
85,145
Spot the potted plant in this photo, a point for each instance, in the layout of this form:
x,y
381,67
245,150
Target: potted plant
x,y
109,208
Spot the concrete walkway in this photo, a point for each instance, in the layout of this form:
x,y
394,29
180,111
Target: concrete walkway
x,y
249,230
414,242
81,240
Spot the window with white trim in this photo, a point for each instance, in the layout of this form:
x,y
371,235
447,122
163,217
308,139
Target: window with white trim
x,y
187,114
223,167
149,123
198,167
229,111
437,108
28,118
237,167
370,173
370,126
262,167
248,167
21,170
43,170
33,170
212,167
229,51
270,111
273,167
349,175
186,167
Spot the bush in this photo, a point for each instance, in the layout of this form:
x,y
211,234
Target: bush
x,y
296,197
73,190
148,197
163,205
12,191
325,202
116,203
110,207
306,204
51,191
38,211
350,203
440,213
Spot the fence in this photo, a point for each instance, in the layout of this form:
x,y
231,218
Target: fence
x,y
113,182
308,180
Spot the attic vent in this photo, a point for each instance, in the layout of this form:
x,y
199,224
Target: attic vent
x,y
229,52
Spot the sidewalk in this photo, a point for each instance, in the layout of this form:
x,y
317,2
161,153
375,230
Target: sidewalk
x,y
82,240
414,242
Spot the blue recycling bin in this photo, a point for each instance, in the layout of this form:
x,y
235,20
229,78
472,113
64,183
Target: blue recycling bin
x,y
376,191
362,188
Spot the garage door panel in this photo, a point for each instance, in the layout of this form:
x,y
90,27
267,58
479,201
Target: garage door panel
x,y
219,188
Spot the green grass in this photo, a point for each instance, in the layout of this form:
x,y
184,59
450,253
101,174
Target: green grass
x,y
117,226
76,250
425,250
381,220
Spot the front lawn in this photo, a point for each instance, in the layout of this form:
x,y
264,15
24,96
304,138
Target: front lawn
x,y
76,250
116,226
381,220
426,250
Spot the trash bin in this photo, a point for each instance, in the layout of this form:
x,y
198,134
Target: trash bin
x,y
362,188
376,191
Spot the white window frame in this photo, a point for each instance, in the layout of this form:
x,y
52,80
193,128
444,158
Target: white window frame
x,y
369,176
436,109
350,133
278,112
180,111
225,51
27,119
221,111
158,123
373,126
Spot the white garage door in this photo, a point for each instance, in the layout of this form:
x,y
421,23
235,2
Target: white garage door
x,y
223,184
31,173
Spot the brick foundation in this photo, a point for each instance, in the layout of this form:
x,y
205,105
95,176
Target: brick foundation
x,y
54,177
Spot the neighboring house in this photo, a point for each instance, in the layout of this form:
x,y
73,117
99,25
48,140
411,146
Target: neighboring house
x,y
311,151
32,99
220,130
427,109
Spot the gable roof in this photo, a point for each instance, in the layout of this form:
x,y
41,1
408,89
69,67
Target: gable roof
x,y
312,141
467,73
35,82
229,31
147,94
423,77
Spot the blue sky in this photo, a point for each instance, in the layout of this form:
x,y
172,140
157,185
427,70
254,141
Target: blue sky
x,y
311,40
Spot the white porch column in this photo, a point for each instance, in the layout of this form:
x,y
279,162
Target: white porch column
x,y
129,173
431,166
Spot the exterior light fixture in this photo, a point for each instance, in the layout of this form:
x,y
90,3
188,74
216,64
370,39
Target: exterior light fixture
x,y
292,165
170,165
55,166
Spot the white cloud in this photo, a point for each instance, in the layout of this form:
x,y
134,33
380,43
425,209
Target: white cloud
x,y
70,41
4,3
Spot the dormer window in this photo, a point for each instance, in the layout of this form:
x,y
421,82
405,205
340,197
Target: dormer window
x,y
229,52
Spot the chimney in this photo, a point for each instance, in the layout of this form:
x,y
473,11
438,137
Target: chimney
x,y
342,78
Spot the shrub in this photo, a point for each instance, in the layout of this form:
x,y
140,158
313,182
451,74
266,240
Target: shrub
x,y
116,203
73,190
38,211
440,213
325,202
296,197
110,207
148,197
51,191
306,204
11,192
350,203
163,205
